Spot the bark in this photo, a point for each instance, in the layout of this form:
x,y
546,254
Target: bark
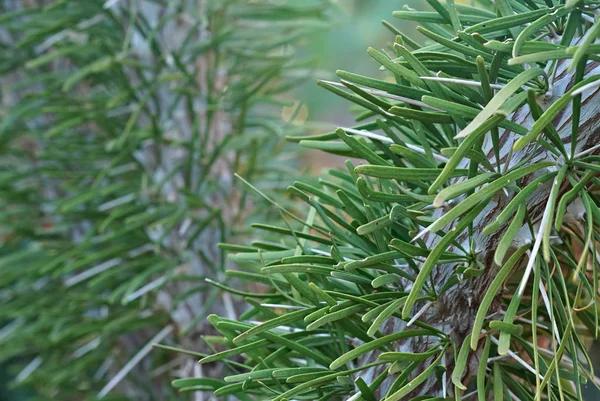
x,y
454,312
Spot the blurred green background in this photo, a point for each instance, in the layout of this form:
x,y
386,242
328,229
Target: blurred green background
x,y
357,26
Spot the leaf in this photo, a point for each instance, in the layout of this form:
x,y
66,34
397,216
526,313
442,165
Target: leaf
x,y
335,316
317,382
570,196
482,194
433,17
498,383
460,153
512,329
375,344
590,37
450,44
323,196
365,390
377,196
515,203
415,158
507,22
405,174
509,235
361,149
434,256
501,97
273,323
298,268
550,113
389,87
254,375
539,57
384,315
509,316
384,280
550,207
374,225
396,68
198,381
426,116
492,292
481,370
408,356
408,388
97,66
460,188
461,363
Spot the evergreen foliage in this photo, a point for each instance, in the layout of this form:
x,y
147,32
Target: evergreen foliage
x,y
121,123
458,259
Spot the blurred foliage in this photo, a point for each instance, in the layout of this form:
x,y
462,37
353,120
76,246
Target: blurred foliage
x,y
122,123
